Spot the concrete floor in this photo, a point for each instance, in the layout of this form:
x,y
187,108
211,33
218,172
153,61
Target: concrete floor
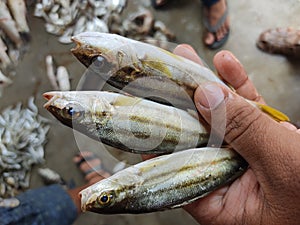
x,y
276,78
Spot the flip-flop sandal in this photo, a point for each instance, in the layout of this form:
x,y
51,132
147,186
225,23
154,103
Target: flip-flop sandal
x,y
97,168
213,29
284,41
157,6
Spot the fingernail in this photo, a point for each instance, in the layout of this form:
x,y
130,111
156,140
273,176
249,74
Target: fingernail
x,y
230,57
186,46
211,96
188,52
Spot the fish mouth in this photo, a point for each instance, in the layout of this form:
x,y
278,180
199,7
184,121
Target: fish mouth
x,y
82,52
84,196
51,97
78,45
83,208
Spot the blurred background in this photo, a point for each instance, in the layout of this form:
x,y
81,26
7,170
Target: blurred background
x,y
277,78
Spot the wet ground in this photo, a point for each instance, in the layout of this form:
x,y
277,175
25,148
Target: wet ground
x,y
276,78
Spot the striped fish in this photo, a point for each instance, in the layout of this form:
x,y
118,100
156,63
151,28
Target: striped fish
x,y
128,123
147,71
165,182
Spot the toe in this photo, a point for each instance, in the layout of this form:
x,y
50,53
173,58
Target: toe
x,y
209,39
222,33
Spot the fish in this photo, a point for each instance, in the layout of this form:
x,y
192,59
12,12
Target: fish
x,y
4,58
4,81
142,69
140,22
50,176
164,182
9,203
50,71
9,25
18,10
128,123
63,78
57,75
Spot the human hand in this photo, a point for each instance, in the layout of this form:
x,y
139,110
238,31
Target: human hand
x,y
268,192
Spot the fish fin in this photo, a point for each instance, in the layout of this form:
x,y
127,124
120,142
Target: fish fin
x,y
126,100
274,113
188,201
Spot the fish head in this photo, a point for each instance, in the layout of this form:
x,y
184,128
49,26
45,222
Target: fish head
x,y
77,109
115,194
101,52
102,197
65,107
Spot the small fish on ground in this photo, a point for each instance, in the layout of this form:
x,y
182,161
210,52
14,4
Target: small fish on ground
x,y
23,135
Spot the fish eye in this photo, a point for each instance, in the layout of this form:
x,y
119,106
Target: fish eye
x,y
100,64
104,198
73,111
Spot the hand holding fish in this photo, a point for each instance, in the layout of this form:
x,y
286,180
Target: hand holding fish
x,y
121,61
267,192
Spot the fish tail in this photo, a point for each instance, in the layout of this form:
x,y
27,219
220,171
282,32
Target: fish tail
x,y
274,113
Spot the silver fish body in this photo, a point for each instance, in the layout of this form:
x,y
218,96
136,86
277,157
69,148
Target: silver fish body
x,y
164,182
128,123
141,69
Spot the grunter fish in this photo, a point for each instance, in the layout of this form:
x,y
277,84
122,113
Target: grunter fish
x,y
142,69
128,123
164,182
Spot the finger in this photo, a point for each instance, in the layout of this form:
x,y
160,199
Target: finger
x,y
232,71
217,206
289,126
148,156
270,149
188,52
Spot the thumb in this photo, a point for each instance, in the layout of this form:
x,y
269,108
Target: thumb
x,y
265,144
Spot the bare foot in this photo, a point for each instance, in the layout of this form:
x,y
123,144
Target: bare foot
x,y
214,16
284,40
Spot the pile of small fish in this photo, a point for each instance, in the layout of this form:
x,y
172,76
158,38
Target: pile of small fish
x,y
22,138
14,36
66,18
